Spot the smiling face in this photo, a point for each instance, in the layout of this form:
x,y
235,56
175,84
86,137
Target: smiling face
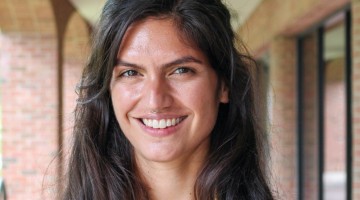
x,y
165,93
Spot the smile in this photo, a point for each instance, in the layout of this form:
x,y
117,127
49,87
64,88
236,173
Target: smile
x,y
162,123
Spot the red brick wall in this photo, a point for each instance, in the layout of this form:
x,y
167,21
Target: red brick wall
x,y
356,97
29,97
283,130
29,101
37,90
310,136
283,19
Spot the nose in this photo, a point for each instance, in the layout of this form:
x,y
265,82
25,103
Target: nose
x,y
158,94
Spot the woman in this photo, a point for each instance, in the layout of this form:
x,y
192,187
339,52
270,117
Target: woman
x,y
166,108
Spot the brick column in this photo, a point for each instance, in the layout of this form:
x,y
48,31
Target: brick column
x,y
76,47
310,124
356,96
283,131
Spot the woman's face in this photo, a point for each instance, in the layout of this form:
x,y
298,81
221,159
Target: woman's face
x,y
165,93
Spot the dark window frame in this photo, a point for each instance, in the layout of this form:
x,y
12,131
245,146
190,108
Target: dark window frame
x,y
320,100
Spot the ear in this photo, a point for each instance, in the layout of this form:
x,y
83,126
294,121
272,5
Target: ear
x,y
223,93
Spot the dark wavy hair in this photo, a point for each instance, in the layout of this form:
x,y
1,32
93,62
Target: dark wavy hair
x,y
101,165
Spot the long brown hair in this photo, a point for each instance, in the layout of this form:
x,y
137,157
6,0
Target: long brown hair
x,y
101,164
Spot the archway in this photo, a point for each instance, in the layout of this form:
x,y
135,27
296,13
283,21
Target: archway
x,y
76,47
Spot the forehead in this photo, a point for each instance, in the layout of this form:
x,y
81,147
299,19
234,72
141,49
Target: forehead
x,y
151,33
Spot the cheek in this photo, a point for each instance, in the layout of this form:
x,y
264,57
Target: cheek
x,y
123,99
201,97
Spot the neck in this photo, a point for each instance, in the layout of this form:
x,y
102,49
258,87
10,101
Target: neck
x,y
171,180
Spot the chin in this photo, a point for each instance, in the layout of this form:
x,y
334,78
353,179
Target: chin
x,y
159,155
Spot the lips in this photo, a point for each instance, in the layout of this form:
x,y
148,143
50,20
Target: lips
x,y
162,123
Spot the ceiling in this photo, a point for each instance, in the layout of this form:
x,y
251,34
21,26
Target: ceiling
x,y
240,9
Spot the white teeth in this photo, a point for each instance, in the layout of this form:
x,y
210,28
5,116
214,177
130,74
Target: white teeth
x,y
155,124
168,122
162,123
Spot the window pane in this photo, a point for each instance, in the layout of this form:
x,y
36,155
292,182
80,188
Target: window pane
x,y
334,178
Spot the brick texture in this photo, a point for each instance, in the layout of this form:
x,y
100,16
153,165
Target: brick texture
x,y
310,136
283,131
29,113
29,98
33,53
284,21
356,97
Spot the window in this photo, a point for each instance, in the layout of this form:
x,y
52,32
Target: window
x,y
324,111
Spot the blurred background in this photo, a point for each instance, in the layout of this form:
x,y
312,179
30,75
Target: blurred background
x,y
308,52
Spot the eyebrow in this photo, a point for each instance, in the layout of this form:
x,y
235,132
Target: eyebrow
x,y
182,60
